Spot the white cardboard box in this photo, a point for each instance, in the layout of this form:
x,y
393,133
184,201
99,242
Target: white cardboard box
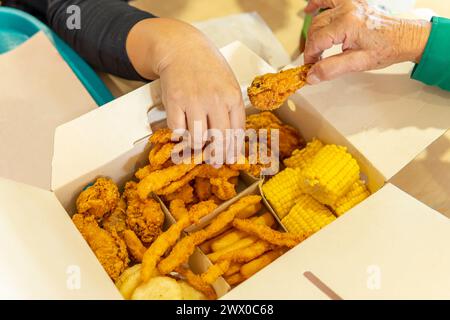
x,y
398,240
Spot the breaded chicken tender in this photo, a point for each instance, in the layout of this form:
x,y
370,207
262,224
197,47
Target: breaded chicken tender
x,y
109,248
270,91
98,199
144,217
161,178
185,193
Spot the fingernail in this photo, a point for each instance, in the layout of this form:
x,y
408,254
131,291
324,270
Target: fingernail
x,y
313,79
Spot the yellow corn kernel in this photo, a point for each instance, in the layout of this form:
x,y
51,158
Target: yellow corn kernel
x,y
282,190
357,193
330,174
307,216
301,157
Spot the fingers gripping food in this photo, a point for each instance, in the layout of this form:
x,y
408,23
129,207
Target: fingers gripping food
x,y
98,199
270,91
109,248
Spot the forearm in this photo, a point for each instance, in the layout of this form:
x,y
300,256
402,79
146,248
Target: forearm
x,y
152,43
101,40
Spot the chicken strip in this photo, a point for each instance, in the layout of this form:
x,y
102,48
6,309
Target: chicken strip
x,y
266,233
109,248
160,154
167,239
178,209
186,246
144,217
159,179
161,136
270,91
134,245
98,199
185,193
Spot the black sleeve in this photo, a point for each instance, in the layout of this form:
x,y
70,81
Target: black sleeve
x,y
104,27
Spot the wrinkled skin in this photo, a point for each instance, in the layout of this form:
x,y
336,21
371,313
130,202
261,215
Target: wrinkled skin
x,y
370,39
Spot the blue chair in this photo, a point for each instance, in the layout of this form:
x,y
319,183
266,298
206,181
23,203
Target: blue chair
x,y
17,26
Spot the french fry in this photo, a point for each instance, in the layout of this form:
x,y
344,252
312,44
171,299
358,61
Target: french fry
x,y
252,267
234,279
230,238
243,243
234,268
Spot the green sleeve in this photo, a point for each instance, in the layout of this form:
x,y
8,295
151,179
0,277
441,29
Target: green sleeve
x,y
434,68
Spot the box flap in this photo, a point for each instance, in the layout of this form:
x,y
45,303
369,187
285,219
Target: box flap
x,y
38,93
103,134
42,255
387,116
389,247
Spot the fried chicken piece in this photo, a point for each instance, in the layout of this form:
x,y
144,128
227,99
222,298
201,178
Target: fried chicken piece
x,y
202,171
289,137
215,199
185,193
141,173
270,91
98,199
202,188
161,136
109,248
160,178
222,188
289,141
144,217
116,220
186,246
134,245
262,120
266,233
168,238
160,154
178,209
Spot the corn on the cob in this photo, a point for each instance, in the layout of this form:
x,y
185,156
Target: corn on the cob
x,y
330,174
307,216
301,157
282,190
357,193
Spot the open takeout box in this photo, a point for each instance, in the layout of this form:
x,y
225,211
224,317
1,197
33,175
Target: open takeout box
x,y
389,246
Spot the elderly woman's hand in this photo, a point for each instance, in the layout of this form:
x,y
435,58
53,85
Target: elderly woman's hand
x,y
370,39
